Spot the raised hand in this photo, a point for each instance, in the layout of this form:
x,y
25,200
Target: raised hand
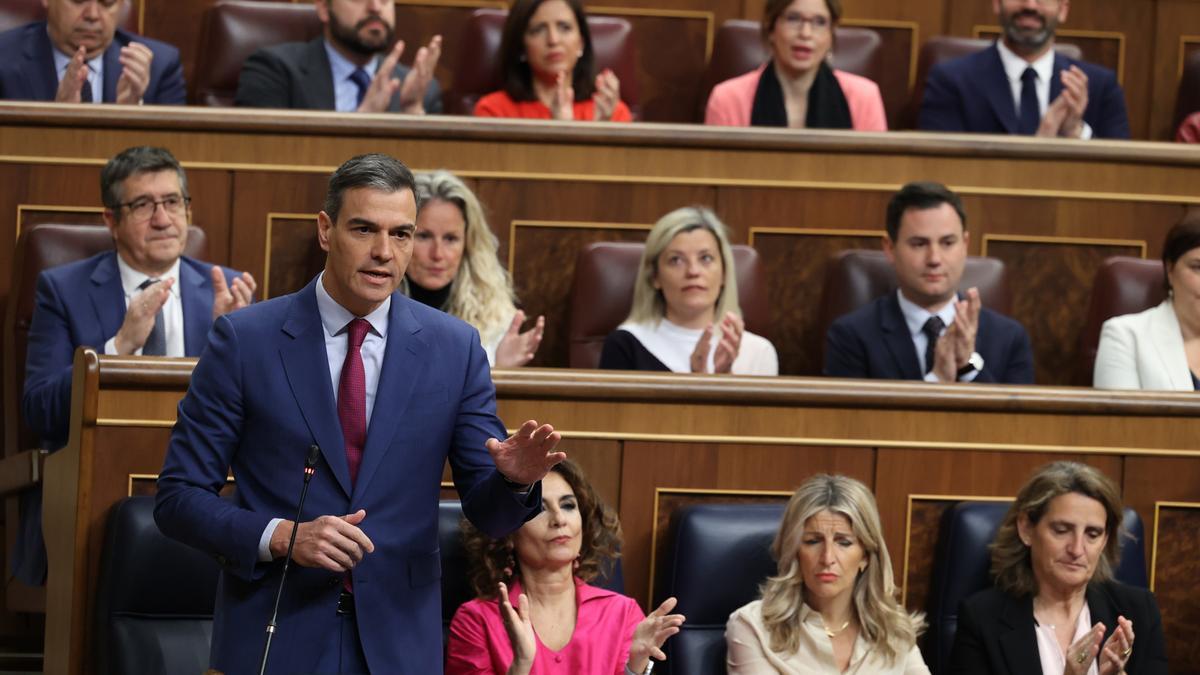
x,y
383,85
699,358
651,633
334,543
517,348
1118,648
527,455
732,328
1083,651
416,83
608,94
945,364
140,315
71,85
519,626
135,61
1064,115
226,297
965,327
562,105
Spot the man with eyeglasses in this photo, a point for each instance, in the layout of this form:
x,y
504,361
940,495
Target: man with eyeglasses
x,y
1020,85
144,298
78,55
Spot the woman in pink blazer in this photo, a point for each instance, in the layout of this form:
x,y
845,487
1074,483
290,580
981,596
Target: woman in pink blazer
x,y
796,88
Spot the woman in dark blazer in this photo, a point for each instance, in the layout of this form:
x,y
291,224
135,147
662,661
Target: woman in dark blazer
x,y
1055,607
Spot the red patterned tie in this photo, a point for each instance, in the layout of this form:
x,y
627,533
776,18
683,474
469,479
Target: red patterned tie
x,y
352,397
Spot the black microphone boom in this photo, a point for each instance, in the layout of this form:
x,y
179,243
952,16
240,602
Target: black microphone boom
x,y
310,468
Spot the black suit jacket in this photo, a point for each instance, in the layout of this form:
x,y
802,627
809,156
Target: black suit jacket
x,y
297,75
972,94
996,631
873,342
27,71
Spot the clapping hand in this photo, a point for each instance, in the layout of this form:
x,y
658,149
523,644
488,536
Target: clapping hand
x,y
607,96
519,626
1118,648
71,84
384,84
1083,651
517,348
228,297
141,315
651,633
527,455
135,61
1064,115
731,329
416,83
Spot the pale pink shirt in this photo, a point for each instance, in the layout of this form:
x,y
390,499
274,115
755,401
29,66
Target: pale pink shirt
x,y
730,102
1050,653
604,626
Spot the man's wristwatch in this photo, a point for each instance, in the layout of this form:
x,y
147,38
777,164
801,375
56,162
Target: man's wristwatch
x,y
974,364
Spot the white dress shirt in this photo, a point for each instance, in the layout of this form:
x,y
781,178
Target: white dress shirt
x,y
1014,69
172,309
345,92
95,72
915,317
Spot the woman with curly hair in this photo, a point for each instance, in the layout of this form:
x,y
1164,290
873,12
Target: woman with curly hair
x,y
832,608
536,611
454,268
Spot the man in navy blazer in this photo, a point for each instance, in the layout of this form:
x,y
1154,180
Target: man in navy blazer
x,y
349,68
97,302
925,330
1020,85
387,389
79,55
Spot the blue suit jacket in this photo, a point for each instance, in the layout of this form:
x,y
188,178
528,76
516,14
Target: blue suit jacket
x,y
27,72
873,342
972,94
260,396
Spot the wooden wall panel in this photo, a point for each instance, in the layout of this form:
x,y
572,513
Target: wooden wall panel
x,y
295,256
257,195
900,47
1176,567
1176,33
672,52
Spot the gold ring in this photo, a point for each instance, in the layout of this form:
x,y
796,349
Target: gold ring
x,y
1081,658
1125,654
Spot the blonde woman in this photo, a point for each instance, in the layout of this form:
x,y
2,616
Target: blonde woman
x,y
832,608
454,267
685,315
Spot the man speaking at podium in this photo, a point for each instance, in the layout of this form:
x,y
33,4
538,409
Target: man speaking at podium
x,y
388,389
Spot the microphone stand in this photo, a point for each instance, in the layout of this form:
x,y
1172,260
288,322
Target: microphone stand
x,y
310,468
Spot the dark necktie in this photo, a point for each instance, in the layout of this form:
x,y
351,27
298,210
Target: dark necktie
x,y
1029,116
362,80
85,92
352,397
932,330
156,342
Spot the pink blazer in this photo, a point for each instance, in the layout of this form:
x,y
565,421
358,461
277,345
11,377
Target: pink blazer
x,y
730,102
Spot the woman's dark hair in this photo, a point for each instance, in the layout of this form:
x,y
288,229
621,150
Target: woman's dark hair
x,y
518,76
494,560
776,8
1182,238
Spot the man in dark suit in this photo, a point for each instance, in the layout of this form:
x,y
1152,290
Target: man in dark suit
x,y
348,69
1020,85
145,297
79,55
925,330
388,389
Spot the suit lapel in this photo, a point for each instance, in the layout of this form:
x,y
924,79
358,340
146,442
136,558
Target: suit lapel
x,y
898,339
318,76
1168,345
305,363
195,291
107,296
994,83
1018,643
39,63
112,71
402,361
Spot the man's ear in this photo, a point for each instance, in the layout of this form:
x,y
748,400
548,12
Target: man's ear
x,y
111,220
324,225
889,249
966,237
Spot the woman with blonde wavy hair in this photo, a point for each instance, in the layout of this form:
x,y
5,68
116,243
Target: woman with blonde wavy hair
x,y
455,268
832,607
685,315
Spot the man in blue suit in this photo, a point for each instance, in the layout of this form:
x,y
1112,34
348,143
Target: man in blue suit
x,y
1020,85
145,297
79,55
925,330
388,390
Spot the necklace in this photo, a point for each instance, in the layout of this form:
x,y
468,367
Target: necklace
x,y
835,633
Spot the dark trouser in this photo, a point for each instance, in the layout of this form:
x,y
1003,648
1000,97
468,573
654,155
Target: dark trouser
x,y
345,654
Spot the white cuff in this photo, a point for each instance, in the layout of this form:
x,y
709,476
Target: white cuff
x,y
264,542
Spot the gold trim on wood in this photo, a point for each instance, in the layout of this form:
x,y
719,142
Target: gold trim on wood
x,y
51,208
914,49
1184,41
477,4
565,224
271,216
813,231
123,422
1065,241
995,31
136,476
658,491
1154,545
908,527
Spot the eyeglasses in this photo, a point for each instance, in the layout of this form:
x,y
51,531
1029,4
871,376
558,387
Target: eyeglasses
x,y
143,209
796,21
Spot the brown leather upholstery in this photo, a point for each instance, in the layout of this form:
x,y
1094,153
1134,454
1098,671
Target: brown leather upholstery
x,y
38,248
1187,101
15,13
941,48
1122,286
738,48
478,69
602,295
855,277
235,29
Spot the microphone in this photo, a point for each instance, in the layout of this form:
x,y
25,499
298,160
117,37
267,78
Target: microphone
x,y
310,468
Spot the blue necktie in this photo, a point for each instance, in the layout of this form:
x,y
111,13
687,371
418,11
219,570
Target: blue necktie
x,y
156,342
362,80
85,92
933,331
1029,116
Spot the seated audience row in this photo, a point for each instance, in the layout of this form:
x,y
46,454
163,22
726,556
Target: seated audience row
x,y
1018,86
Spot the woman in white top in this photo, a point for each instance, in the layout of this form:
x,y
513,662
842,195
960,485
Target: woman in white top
x,y
685,315
454,267
832,607
1160,347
